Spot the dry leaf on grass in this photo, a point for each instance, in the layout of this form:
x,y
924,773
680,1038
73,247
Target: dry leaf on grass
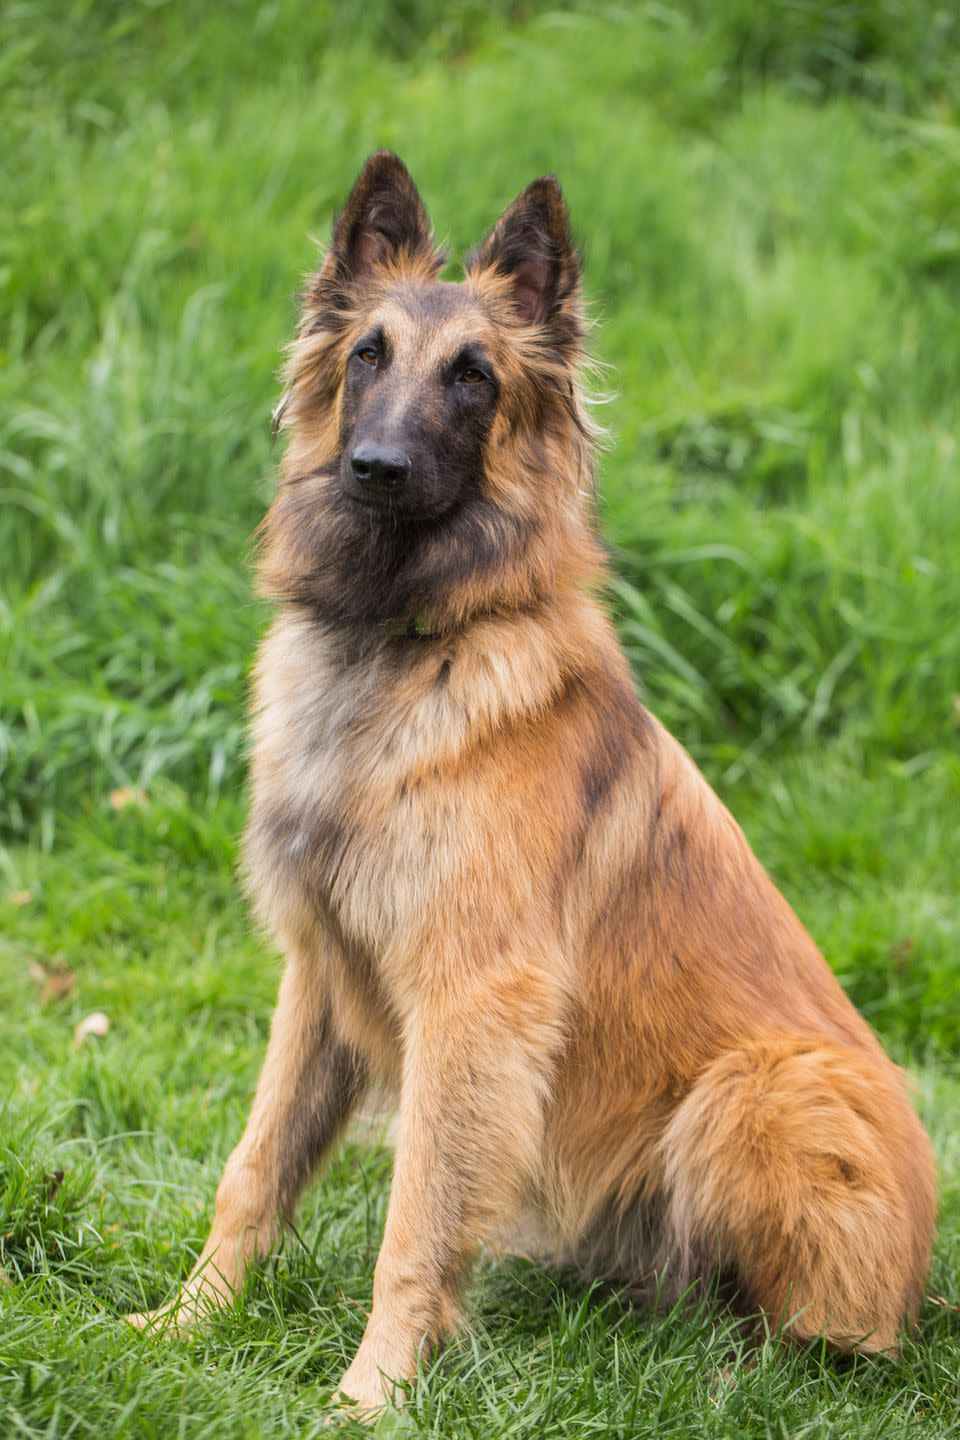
x,y
723,1382
128,795
96,1024
20,898
56,981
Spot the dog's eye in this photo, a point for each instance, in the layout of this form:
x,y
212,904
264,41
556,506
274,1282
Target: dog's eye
x,y
367,354
471,376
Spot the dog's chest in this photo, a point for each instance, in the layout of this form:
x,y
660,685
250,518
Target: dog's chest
x,y
348,821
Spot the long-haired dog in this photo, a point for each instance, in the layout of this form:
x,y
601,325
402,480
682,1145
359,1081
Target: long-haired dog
x,y
502,889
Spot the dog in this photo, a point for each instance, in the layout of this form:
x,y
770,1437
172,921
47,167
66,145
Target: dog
x,y
502,889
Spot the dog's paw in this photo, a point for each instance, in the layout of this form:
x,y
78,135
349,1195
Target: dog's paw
x,y
156,1321
365,1394
172,1321
368,1410
343,1409
383,1419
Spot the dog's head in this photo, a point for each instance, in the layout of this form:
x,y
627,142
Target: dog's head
x,y
440,461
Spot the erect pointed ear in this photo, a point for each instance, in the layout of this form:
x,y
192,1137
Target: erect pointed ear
x,y
383,219
532,245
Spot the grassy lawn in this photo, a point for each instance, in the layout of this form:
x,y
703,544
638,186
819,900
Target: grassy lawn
x,y
768,197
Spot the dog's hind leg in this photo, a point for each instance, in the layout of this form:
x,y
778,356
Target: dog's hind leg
x,y
803,1170
308,1086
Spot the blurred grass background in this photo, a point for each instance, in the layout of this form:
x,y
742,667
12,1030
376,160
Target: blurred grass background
x,y
768,197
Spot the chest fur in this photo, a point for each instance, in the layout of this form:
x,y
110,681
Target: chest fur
x,y
414,800
353,815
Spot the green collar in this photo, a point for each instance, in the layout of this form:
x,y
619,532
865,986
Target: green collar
x,y
415,629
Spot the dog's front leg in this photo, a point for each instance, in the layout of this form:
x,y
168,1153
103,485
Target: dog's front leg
x,y
308,1086
477,1073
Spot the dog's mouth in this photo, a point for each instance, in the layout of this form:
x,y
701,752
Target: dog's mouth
x,y
396,512
381,506
376,504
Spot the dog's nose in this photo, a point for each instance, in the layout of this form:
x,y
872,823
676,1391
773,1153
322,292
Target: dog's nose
x,y
380,467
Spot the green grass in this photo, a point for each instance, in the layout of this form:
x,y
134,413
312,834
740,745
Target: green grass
x,y
768,198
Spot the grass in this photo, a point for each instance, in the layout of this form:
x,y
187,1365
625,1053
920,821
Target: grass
x,y
768,200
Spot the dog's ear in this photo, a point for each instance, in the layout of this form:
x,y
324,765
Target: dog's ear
x,y
384,219
531,244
